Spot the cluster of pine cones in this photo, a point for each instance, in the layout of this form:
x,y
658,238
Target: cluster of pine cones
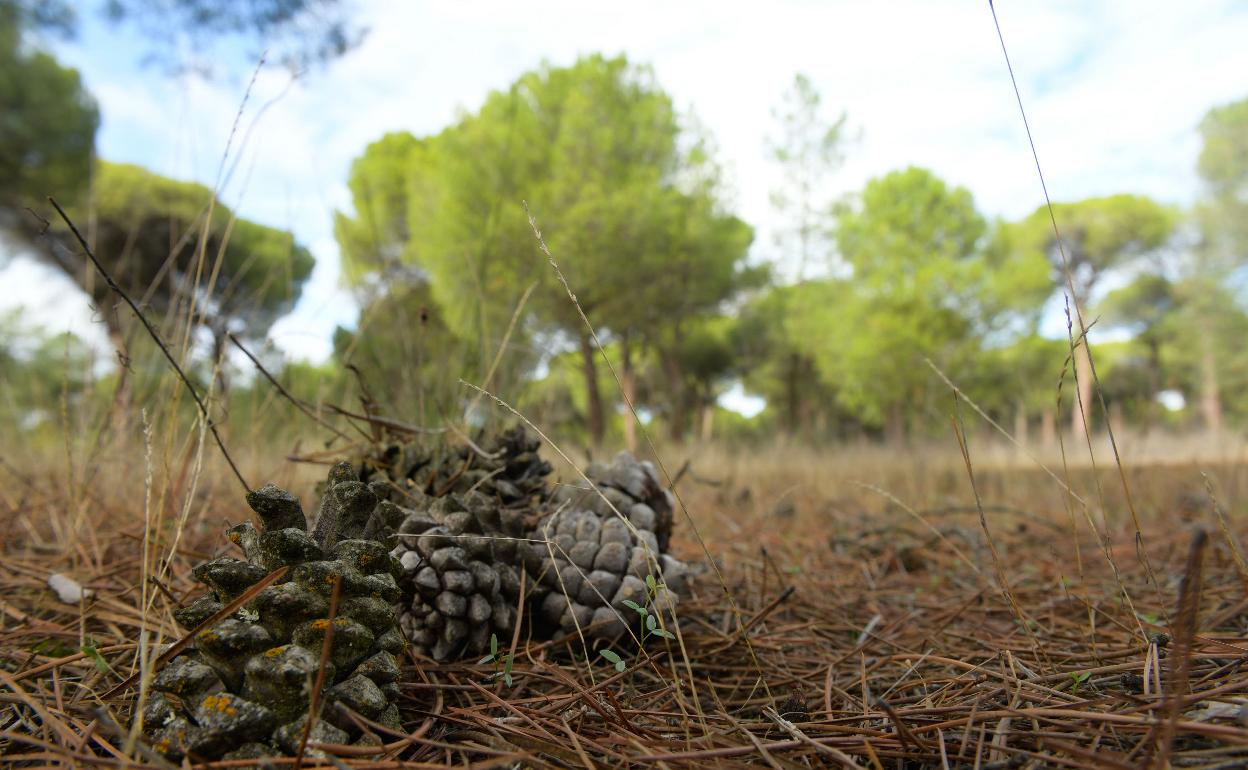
x,y
483,521
428,546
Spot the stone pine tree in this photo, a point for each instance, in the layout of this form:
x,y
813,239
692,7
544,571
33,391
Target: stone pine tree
x,y
923,286
47,137
183,35
595,150
1222,219
1098,235
808,149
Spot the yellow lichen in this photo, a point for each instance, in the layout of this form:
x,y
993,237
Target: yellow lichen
x,y
273,652
321,625
219,703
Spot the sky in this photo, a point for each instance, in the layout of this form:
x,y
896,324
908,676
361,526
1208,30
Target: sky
x,y
1114,91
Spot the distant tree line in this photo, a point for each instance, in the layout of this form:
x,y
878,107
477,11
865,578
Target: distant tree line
x,y
840,332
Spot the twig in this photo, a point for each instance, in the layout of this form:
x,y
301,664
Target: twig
x,y
155,337
299,404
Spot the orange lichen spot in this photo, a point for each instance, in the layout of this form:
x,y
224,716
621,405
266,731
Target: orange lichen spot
x,y
364,559
235,537
321,624
220,703
273,652
340,622
163,745
208,635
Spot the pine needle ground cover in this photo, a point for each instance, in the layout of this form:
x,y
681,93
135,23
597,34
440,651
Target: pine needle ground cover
x,y
862,610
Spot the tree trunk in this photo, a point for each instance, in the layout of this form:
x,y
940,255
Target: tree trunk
x,y
1048,428
708,419
1020,424
628,384
1154,383
1210,391
218,361
597,427
678,420
895,426
793,395
1081,409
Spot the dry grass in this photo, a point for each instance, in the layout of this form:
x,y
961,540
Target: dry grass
x,y
881,635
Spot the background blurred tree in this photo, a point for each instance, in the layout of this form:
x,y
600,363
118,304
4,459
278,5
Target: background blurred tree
x,y
776,365
182,34
150,231
406,354
1099,235
808,150
47,135
1222,220
633,218
45,377
1141,307
922,287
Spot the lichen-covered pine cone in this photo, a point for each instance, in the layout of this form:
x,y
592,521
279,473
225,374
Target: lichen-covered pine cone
x,y
483,518
244,689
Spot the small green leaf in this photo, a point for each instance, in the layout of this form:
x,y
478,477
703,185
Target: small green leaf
x,y
1078,678
662,633
635,607
651,584
91,652
507,668
493,645
651,622
487,659
620,665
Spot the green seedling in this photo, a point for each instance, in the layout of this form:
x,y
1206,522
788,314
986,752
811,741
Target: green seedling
x,y
1078,678
502,665
89,649
649,622
614,659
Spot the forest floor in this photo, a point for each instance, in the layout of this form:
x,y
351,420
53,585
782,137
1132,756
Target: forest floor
x,y
866,612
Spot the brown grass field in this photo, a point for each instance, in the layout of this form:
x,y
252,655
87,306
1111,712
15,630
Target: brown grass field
x,y
871,614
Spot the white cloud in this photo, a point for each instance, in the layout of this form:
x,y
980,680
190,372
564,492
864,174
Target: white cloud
x,y
1114,91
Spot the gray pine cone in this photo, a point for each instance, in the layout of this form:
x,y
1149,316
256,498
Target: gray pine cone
x,y
461,584
485,517
595,550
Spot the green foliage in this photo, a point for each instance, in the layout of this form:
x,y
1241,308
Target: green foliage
x,y
595,149
148,232
381,183
1098,234
48,132
44,374
298,33
407,355
1223,165
919,290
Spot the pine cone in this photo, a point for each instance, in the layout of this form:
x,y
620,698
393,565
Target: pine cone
x,y
460,583
482,516
244,689
593,553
